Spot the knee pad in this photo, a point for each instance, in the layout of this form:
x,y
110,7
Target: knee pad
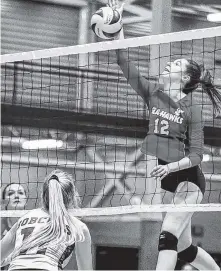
x,y
189,254
167,241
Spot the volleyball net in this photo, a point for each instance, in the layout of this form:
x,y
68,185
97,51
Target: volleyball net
x,y
71,108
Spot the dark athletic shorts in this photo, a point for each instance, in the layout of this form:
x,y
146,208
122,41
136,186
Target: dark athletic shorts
x,y
193,175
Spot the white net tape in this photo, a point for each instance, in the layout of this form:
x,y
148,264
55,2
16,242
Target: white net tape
x,y
132,209
112,45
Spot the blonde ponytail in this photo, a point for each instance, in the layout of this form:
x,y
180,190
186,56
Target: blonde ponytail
x,y
58,193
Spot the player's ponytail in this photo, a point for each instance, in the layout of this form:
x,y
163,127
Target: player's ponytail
x,y
59,194
211,90
56,210
200,76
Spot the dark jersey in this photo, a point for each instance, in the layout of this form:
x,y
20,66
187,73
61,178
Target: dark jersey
x,y
175,129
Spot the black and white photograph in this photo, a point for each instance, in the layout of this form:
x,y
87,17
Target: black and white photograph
x,y
110,135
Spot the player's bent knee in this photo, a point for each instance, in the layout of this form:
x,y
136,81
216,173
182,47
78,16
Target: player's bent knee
x,y
189,254
167,241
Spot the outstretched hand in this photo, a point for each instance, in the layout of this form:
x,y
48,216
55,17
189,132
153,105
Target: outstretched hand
x,y
160,171
114,4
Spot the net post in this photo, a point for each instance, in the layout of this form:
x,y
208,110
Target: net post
x,y
161,20
148,242
85,94
161,23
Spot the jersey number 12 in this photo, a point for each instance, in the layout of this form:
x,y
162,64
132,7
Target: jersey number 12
x,y
161,127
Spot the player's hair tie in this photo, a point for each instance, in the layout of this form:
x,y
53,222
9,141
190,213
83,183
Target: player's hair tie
x,y
54,177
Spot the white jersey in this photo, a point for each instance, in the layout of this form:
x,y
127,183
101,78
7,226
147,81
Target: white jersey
x,y
51,258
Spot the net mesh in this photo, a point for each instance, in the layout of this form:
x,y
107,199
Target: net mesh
x,y
78,97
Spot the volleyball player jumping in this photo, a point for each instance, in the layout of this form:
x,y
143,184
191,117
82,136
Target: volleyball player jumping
x,y
176,138
45,238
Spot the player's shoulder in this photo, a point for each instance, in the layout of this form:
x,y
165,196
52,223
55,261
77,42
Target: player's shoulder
x,y
79,222
32,213
195,107
192,104
194,112
160,95
85,230
158,89
193,99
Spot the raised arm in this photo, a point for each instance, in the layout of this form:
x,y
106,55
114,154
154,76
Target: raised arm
x,y
140,84
83,252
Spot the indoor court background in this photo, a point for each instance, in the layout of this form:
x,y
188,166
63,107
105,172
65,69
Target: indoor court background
x,y
98,127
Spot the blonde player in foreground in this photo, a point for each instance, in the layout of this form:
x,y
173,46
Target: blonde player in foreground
x,y
45,238
174,117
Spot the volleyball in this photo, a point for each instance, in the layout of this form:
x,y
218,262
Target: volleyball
x,y
106,23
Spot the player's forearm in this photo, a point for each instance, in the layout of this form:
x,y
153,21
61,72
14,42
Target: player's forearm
x,y
120,36
180,165
129,70
141,85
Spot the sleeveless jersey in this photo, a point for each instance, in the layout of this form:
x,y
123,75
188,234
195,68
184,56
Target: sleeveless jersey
x,y
52,258
175,129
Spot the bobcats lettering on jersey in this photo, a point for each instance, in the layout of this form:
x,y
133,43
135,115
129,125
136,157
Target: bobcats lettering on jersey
x,y
171,117
33,220
39,220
